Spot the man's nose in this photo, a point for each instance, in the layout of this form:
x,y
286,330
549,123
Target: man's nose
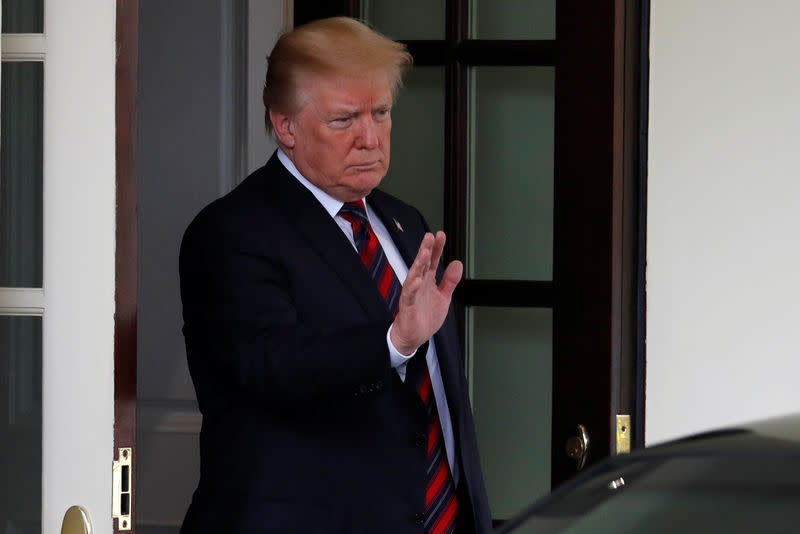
x,y
368,133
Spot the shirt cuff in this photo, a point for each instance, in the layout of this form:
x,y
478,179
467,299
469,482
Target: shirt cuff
x,y
395,356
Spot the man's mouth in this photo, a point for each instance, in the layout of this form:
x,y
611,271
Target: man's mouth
x,y
368,166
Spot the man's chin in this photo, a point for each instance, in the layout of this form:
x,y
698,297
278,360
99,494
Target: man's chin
x,y
367,180
360,188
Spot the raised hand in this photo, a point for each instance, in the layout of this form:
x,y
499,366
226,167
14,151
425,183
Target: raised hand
x,y
423,304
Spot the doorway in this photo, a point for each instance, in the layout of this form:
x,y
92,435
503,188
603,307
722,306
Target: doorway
x,y
518,140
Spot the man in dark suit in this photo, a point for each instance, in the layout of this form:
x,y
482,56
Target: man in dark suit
x,y
318,322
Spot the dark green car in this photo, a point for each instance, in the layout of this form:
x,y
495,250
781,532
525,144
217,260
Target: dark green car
x,y
738,480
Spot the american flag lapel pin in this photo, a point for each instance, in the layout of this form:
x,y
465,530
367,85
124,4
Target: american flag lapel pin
x,y
397,224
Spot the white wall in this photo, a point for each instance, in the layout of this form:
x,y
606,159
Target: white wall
x,y
723,276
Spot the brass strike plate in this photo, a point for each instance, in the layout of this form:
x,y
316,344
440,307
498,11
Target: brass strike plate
x,y
122,477
623,434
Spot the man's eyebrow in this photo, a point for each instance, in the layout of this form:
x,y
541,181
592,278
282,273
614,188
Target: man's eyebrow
x,y
345,112
382,107
352,112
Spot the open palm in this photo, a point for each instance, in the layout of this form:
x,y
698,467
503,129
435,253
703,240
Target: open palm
x,y
423,303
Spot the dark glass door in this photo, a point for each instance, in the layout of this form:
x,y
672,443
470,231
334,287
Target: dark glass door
x,y
509,135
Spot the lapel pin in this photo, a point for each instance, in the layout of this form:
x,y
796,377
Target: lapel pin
x,y
398,225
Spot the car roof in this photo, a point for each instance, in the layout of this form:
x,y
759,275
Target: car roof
x,y
778,435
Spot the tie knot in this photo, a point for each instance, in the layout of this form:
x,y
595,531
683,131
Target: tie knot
x,y
354,211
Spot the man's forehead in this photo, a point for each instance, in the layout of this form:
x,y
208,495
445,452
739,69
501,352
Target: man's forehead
x,y
353,92
348,101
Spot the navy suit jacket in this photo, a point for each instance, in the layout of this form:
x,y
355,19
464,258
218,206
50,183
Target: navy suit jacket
x,y
306,428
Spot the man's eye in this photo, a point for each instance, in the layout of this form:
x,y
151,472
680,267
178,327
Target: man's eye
x,y
341,122
383,114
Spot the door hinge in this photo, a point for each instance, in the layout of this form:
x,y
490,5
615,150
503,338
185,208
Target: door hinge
x,y
122,476
623,434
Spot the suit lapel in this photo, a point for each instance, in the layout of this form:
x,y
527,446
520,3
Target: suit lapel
x,y
406,242
322,233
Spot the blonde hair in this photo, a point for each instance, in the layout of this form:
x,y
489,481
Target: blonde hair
x,y
338,46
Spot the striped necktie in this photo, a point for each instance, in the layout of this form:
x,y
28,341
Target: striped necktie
x,y
441,503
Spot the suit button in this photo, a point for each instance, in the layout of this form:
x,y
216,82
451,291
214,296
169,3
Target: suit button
x,y
420,440
363,389
379,385
419,519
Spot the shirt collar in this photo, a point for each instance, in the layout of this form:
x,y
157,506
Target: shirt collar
x,y
331,205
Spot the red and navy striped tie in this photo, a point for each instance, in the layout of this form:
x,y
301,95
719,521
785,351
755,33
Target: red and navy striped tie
x,y
441,503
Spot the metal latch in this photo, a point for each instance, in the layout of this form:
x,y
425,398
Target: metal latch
x,y
122,477
623,434
578,447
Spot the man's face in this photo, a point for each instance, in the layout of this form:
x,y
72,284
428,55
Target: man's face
x,y
341,134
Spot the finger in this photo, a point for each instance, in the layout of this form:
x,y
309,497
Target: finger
x,y
438,247
451,278
421,262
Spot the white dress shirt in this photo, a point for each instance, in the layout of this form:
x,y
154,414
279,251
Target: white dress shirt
x,y
398,361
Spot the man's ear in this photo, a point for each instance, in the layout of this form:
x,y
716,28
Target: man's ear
x,y
283,127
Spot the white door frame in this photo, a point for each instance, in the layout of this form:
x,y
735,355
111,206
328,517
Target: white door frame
x,y
79,225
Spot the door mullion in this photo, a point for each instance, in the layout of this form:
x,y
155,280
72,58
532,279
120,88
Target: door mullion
x,y
126,283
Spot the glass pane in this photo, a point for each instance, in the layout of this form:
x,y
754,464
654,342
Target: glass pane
x,y
511,172
513,19
408,19
21,174
510,354
23,16
416,171
20,424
